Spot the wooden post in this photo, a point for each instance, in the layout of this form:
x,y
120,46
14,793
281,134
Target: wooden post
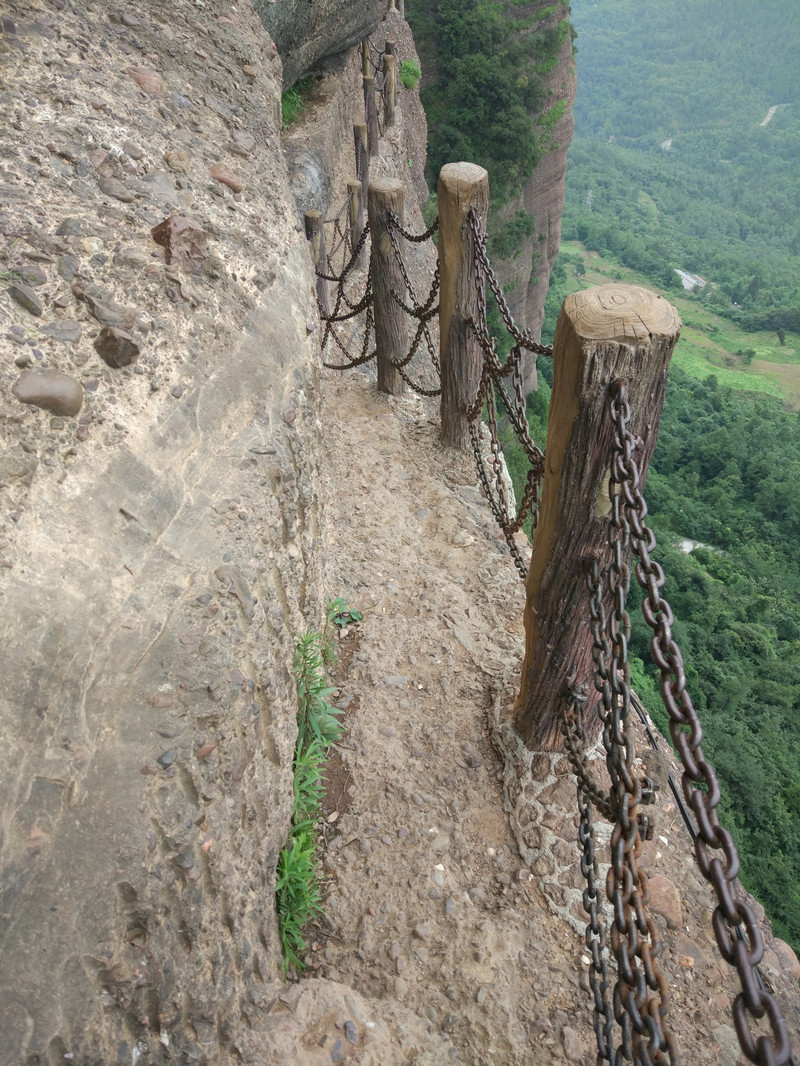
x,y
366,65
371,112
461,186
356,219
315,232
361,138
391,330
603,335
389,88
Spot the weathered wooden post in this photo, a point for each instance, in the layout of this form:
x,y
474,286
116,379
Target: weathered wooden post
x,y
461,186
605,334
315,232
371,112
366,64
355,212
361,138
389,88
391,52
391,331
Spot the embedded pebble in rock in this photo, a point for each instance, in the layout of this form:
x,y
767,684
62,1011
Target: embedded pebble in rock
x,y
243,142
26,297
226,176
148,80
572,1045
179,162
183,240
63,329
116,347
33,274
114,188
54,392
132,150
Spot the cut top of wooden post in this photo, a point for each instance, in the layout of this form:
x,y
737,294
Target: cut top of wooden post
x,y
625,314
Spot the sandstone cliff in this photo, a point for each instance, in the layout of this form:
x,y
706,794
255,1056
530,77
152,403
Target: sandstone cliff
x,y
526,277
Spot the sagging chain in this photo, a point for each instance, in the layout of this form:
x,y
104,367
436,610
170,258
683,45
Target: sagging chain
x,y
423,313
365,304
524,338
734,922
490,386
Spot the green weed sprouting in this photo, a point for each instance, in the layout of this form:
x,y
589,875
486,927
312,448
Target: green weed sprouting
x,y
316,719
298,891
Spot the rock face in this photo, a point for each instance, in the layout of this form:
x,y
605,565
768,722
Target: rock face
x,y
313,34
148,707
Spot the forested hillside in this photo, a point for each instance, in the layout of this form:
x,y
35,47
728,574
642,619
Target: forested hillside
x,y
673,164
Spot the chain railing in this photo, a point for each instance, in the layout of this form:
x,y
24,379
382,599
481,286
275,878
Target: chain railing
x,y
640,1001
735,926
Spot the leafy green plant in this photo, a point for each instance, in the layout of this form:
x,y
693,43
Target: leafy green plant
x,y
309,789
316,719
298,891
339,614
410,73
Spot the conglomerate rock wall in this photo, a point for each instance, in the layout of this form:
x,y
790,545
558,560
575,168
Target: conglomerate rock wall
x,y
160,542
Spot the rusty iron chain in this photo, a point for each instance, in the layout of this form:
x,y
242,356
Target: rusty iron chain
x,y
491,386
351,263
423,313
415,238
596,934
641,997
571,725
735,925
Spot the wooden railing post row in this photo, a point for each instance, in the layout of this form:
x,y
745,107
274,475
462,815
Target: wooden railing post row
x,y
355,214
361,139
605,334
391,330
461,186
315,232
371,113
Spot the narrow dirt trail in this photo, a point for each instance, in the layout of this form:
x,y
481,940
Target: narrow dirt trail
x,y
430,903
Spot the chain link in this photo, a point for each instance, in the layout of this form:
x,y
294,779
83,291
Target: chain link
x,y
735,926
596,933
